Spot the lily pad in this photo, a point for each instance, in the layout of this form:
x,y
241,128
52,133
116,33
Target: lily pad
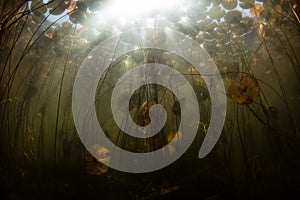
x,y
216,12
209,35
223,27
239,29
233,17
223,39
82,6
57,7
256,10
246,4
199,39
77,17
95,5
95,166
206,25
210,27
221,48
229,4
210,46
244,92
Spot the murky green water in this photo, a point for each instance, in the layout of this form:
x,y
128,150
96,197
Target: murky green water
x,y
255,45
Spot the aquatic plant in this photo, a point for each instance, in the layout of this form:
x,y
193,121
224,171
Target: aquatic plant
x,y
255,45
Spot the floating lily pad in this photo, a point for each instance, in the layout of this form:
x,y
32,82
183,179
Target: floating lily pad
x,y
57,7
216,12
246,4
82,6
221,48
210,46
229,4
95,5
244,92
95,166
233,17
210,27
222,38
66,26
223,31
199,39
77,17
210,35
239,29
248,21
206,25
256,10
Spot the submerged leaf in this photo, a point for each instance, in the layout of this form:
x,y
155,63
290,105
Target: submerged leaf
x,y
244,92
95,166
256,10
102,153
142,114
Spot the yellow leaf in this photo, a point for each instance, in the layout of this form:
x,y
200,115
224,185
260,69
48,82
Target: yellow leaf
x,y
256,10
244,92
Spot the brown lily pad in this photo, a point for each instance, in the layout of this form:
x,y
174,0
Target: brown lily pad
x,y
95,166
244,92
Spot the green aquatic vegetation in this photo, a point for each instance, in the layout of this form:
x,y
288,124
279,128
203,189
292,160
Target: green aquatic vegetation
x,y
246,4
233,17
216,12
255,45
229,4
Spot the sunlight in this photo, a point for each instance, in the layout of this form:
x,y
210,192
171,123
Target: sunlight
x,y
137,8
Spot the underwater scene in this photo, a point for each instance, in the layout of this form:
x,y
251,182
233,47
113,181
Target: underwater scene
x,y
150,99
